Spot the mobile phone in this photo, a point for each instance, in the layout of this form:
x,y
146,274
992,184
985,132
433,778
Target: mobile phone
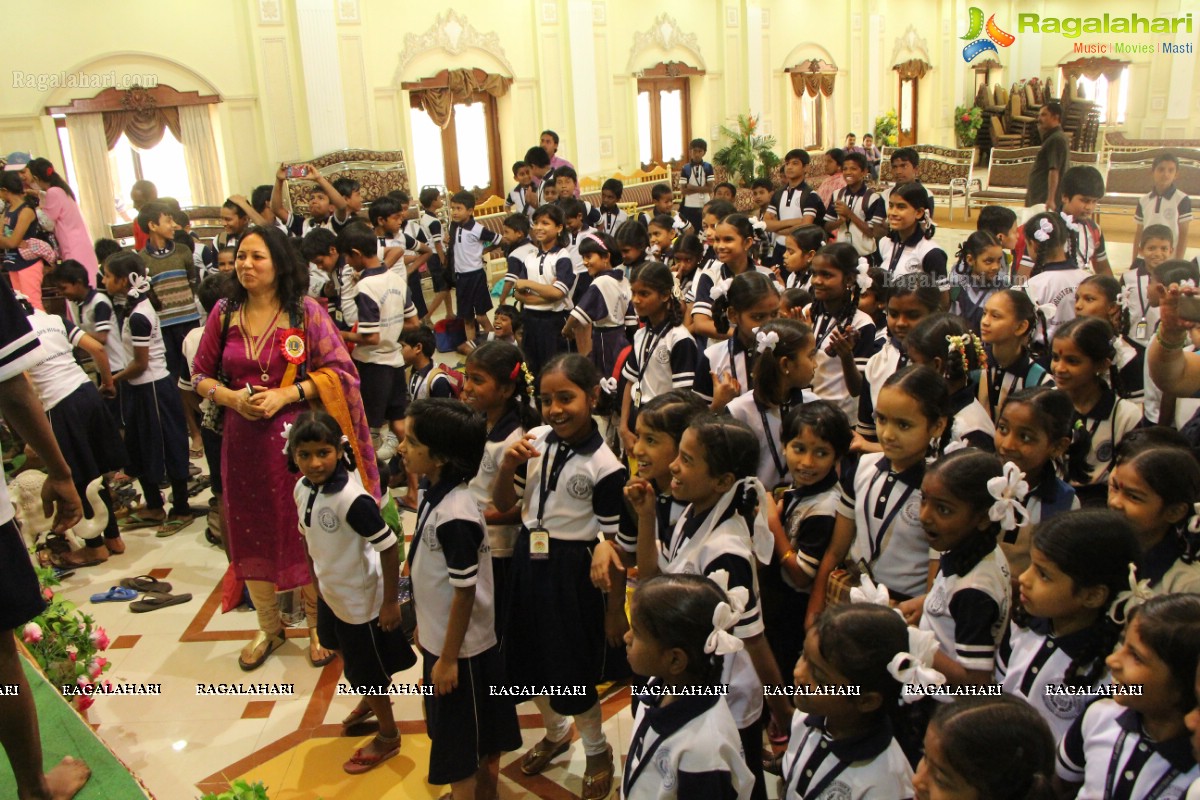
x,y
1189,307
296,171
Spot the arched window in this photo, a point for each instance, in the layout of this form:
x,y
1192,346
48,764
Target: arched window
x,y
664,113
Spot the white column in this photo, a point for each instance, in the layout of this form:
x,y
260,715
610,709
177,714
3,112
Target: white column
x,y
875,69
582,46
755,89
322,75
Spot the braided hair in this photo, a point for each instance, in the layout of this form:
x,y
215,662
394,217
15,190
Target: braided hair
x,y
1055,238
793,336
844,258
1093,337
745,291
505,364
947,337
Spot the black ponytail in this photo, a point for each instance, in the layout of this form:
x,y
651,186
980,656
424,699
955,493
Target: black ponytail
x,y
504,362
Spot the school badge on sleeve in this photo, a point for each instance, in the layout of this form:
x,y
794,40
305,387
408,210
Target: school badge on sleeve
x,y
292,345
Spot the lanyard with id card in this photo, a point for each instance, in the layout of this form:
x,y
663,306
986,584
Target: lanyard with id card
x,y
539,537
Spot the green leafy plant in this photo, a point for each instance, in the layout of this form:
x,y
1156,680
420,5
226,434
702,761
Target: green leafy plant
x,y
65,642
886,128
747,155
240,790
967,122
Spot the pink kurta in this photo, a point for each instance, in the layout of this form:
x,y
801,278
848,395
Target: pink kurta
x,y
69,230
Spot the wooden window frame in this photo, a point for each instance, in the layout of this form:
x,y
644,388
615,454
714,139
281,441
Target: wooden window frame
x,y
916,107
655,86
450,149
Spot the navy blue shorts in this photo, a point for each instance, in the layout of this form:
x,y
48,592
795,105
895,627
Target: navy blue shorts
x,y
370,655
471,293
384,392
437,272
20,598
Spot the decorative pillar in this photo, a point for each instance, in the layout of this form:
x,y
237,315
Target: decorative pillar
x,y
582,45
322,75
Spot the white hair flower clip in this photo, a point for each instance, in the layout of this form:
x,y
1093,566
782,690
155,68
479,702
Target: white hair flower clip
x,y
737,597
286,435
1048,310
864,275
1137,593
908,670
138,284
1194,522
870,592
759,226
1009,489
766,341
726,615
1044,231
609,385
1187,283
720,289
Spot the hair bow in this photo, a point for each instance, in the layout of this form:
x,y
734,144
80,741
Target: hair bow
x,y
1187,283
609,385
759,226
720,289
1137,593
138,284
907,669
737,597
864,275
516,370
286,435
1048,310
727,614
922,645
953,445
1044,231
870,592
1194,522
1009,489
766,341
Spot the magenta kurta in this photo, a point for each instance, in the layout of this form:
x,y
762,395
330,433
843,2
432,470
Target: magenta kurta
x,y
262,531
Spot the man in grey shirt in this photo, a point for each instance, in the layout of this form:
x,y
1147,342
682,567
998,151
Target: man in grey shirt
x,y
1052,160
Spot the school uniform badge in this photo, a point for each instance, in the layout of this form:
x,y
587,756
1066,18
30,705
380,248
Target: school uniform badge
x,y
580,487
662,763
327,519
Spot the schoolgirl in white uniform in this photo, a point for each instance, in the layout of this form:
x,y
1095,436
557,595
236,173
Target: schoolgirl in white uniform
x,y
909,246
943,342
572,497
543,283
1055,278
451,569
725,368
1136,747
683,745
1006,329
605,306
156,435
735,238
1062,638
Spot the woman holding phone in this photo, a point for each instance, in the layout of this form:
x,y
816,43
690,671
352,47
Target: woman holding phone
x,y
1172,370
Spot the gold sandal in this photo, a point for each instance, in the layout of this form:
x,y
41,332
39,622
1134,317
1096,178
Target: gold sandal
x,y
262,645
599,785
541,754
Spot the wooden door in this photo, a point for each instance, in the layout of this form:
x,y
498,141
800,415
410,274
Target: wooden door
x,y
907,113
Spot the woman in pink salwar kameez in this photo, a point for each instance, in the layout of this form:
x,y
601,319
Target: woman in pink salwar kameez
x,y
280,353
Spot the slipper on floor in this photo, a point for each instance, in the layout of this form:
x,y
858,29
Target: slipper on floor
x,y
156,600
62,562
360,762
173,524
136,521
117,594
145,583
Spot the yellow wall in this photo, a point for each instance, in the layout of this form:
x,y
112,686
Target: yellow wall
x,y
233,48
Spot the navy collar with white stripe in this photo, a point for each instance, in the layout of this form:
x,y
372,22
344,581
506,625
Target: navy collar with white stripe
x,y
911,476
589,445
1177,752
964,558
1073,644
337,481
863,747
670,719
507,424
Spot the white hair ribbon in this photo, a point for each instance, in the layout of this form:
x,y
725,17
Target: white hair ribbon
x,y
1044,231
286,435
1187,283
870,592
1137,593
1008,489
766,341
736,597
952,445
609,385
138,285
761,537
1048,310
1194,522
907,669
922,645
721,642
759,226
864,276
720,289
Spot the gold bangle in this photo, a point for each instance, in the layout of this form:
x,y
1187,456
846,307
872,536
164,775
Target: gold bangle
x,y
787,555
1182,343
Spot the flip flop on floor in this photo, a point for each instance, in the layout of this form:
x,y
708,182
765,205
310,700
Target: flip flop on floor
x,y
173,524
136,521
156,600
117,594
361,761
145,583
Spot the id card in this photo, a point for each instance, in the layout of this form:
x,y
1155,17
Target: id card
x,y
539,544
1140,331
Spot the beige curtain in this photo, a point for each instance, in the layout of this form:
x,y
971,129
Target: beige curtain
x,y
144,127
461,85
89,151
200,154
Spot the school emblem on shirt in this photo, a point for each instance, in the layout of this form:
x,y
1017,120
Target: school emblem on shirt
x,y
580,487
837,791
327,519
487,464
662,763
1104,452
935,603
911,513
663,355
1064,706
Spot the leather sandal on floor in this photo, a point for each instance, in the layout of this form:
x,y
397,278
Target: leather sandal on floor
x,y
314,642
541,754
262,645
362,761
358,716
598,785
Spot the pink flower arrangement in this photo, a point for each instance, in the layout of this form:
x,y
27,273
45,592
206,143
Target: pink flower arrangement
x,y
84,701
96,666
65,642
100,639
32,633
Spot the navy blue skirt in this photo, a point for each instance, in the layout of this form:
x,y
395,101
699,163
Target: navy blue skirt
x,y
87,434
155,432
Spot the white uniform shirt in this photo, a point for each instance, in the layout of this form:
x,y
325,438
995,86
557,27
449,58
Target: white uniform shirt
x,y
818,766
383,304
1106,750
1171,208
692,174
722,357
1056,285
767,424
1135,283
507,432
661,359
18,352
889,360
470,240
967,606
829,380
450,551
551,267
345,534
808,515
141,329
1107,423
574,492
56,374
886,509
606,303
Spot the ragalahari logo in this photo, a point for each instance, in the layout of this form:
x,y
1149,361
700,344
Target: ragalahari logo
x,y
994,37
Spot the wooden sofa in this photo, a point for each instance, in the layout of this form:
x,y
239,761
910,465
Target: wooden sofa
x,y
1008,174
1116,142
1129,176
945,172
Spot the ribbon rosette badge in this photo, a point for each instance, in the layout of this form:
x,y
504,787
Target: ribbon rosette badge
x,y
291,342
995,36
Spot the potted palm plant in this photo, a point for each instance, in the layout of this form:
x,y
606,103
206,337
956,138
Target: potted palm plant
x,y
747,155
